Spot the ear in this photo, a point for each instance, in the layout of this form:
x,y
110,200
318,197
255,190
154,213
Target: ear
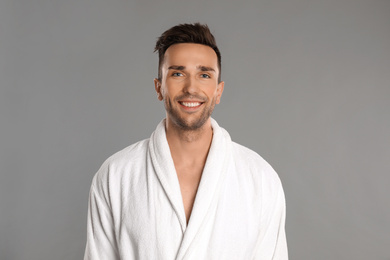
x,y
219,91
157,87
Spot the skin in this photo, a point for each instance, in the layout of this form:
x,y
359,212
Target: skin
x,y
189,75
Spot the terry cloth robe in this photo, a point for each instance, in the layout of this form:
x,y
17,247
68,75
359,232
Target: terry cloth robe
x,y
136,209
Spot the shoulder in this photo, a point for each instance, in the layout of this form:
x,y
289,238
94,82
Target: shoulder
x,y
131,154
121,161
259,170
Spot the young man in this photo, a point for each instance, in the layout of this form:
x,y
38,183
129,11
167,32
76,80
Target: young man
x,y
187,192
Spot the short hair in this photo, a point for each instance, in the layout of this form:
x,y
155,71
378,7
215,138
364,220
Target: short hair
x,y
186,33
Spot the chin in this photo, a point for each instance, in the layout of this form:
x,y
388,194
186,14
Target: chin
x,y
189,124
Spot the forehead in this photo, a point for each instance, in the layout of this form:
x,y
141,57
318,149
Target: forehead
x,y
190,54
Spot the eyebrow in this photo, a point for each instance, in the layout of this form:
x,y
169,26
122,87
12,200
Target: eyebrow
x,y
205,68
175,67
201,68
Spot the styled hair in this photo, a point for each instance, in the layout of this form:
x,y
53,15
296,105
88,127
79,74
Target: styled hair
x,y
186,33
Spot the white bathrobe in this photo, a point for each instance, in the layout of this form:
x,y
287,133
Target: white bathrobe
x,y
136,209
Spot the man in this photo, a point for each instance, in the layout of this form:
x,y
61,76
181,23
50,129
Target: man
x,y
187,192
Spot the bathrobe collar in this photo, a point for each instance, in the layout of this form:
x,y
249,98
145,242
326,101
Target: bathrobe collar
x,y
212,179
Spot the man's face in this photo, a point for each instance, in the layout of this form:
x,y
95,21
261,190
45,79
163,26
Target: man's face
x,y
189,84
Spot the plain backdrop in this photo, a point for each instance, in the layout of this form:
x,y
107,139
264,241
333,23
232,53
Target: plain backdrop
x,y
307,86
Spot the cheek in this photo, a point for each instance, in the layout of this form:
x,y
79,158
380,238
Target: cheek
x,y
165,91
167,94
213,92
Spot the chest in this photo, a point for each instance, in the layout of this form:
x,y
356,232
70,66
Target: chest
x,y
189,179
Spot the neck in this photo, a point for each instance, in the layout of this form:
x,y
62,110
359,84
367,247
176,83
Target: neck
x,y
189,146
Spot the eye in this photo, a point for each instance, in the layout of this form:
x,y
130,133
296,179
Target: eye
x,y
206,76
177,74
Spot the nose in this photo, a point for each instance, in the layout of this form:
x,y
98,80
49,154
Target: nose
x,y
190,86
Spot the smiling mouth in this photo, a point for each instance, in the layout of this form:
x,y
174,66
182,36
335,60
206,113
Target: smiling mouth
x,y
190,104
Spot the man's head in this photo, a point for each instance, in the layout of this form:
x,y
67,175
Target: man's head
x,y
189,72
186,33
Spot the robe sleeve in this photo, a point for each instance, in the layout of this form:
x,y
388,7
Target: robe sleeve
x,y
271,243
280,252
101,242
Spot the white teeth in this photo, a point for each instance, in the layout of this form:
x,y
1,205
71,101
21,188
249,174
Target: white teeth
x,y
190,104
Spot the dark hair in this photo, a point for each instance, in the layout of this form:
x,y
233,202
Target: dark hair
x,y
186,33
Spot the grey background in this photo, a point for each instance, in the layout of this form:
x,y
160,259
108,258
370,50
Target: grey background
x,y
307,86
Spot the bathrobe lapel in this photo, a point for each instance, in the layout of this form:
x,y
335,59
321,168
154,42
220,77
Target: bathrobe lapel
x,y
166,172
207,196
209,188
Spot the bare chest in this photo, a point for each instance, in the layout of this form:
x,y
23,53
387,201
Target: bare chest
x,y
189,178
